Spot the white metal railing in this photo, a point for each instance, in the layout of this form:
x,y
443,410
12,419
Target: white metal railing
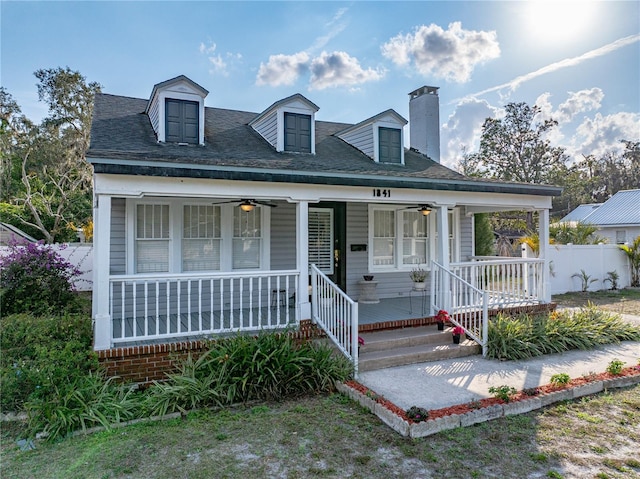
x,y
168,306
336,313
509,282
467,305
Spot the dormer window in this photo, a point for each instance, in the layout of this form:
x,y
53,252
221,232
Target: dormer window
x,y
378,137
297,132
182,121
390,145
176,111
288,125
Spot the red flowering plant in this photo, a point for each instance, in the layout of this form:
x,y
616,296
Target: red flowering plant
x,y
442,316
458,330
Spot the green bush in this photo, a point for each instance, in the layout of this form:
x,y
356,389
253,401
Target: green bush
x,y
35,279
88,400
245,368
526,336
41,353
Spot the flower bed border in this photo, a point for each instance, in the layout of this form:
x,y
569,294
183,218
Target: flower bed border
x,y
485,409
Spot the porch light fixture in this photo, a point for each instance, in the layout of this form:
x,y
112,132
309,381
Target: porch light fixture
x,y
425,210
247,206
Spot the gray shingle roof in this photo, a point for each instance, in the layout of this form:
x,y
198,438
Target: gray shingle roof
x,y
121,135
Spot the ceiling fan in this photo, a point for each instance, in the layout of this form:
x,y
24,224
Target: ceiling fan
x,y
425,209
247,205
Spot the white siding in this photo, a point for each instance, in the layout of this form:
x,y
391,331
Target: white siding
x,y
118,256
154,115
362,139
267,127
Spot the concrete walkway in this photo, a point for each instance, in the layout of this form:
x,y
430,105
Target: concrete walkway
x,y
436,385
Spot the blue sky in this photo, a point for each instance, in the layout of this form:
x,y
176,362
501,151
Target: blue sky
x,y
578,61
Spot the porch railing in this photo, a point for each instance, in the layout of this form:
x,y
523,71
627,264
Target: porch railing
x,y
509,282
336,313
466,304
169,306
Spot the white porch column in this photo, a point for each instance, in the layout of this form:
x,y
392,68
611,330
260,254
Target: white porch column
x,y
442,254
302,259
543,236
101,266
442,219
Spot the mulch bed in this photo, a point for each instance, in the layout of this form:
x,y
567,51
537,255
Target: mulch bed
x,y
487,402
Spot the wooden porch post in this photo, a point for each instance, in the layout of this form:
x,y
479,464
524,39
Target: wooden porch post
x,y
543,236
101,266
302,253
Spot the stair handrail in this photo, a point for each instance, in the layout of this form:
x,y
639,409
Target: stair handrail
x,y
467,305
336,314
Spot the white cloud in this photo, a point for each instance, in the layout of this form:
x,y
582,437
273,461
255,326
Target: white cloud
x,y
339,69
602,134
463,130
450,54
218,64
334,27
578,102
282,69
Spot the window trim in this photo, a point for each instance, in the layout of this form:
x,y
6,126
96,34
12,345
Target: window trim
x,y
174,95
376,126
382,128
176,221
281,133
398,265
182,104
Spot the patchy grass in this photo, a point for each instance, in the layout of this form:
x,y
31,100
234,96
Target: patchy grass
x,y
333,437
624,301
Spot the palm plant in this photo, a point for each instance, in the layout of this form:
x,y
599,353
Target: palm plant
x,y
633,253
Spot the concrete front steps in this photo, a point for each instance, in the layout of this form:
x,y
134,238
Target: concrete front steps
x,y
395,347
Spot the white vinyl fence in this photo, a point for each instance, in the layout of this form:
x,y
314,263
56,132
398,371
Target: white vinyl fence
x,y
78,254
595,260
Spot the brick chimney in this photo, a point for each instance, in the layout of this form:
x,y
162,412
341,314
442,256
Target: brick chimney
x,y
424,121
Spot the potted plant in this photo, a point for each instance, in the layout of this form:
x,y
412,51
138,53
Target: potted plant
x,y
441,318
418,275
457,332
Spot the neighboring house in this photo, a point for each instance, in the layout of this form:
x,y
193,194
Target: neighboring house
x,y
209,220
9,233
617,219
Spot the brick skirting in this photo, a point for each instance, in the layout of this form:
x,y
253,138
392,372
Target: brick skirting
x,y
152,362
144,364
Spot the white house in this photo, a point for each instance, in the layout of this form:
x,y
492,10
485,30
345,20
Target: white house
x,y
209,220
617,219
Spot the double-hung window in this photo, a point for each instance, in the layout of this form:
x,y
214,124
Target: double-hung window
x,y
201,238
402,239
384,237
152,238
415,238
247,239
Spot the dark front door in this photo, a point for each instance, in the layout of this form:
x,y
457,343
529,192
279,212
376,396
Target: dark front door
x,y
327,239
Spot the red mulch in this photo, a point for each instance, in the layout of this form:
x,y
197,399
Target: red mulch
x,y
465,408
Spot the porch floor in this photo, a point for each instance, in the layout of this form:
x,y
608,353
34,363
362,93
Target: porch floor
x,y
394,309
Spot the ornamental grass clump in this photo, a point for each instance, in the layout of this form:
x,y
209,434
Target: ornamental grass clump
x,y
36,279
246,368
526,336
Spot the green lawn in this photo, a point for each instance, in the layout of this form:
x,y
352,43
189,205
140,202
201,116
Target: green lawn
x,y
625,301
333,437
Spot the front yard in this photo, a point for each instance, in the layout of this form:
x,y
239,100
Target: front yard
x,y
624,301
333,437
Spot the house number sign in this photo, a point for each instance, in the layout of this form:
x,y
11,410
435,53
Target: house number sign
x,y
381,193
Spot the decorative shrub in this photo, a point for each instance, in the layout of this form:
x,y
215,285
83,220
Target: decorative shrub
x,y
40,354
244,368
560,379
417,414
34,278
615,367
526,336
503,392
